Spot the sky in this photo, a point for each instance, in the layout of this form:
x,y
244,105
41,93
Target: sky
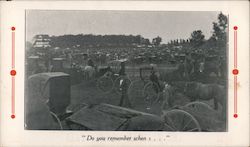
x,y
166,24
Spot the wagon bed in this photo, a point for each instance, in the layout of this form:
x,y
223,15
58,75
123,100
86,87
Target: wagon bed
x,y
108,117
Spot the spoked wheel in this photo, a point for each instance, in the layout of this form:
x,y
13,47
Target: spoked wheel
x,y
179,120
199,106
202,109
56,119
151,93
105,84
119,81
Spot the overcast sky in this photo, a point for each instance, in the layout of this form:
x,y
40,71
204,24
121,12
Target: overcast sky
x,y
166,24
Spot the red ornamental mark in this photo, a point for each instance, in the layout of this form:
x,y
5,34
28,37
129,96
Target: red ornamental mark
x,y
235,115
235,71
13,116
13,72
235,27
13,28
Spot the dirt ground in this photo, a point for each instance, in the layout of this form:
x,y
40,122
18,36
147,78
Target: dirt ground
x,y
88,93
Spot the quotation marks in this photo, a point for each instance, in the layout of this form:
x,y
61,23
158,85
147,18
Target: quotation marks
x,y
122,138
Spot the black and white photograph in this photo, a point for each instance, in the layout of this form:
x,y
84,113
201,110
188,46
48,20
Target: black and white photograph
x,y
117,70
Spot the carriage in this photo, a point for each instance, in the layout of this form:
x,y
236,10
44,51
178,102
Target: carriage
x,y
144,88
110,79
125,119
194,116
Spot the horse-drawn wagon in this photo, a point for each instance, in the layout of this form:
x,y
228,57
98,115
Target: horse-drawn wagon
x,y
108,117
111,77
190,116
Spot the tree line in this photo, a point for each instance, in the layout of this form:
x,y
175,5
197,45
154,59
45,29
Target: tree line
x,y
217,42
68,41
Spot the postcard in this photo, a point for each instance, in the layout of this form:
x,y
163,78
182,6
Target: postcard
x,y
127,73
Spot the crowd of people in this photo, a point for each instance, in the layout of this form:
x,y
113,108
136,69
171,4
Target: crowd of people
x,y
188,61
135,55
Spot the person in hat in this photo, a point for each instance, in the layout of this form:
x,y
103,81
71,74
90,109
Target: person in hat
x,y
90,62
124,85
154,78
122,70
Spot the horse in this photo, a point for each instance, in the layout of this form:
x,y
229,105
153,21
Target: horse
x,y
197,90
171,75
207,70
198,71
181,72
89,72
211,66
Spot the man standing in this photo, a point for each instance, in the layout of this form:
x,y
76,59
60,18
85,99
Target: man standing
x,y
153,78
124,85
122,70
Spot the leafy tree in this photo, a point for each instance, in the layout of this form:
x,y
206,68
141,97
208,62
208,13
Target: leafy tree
x,y
197,38
157,41
146,42
220,28
218,40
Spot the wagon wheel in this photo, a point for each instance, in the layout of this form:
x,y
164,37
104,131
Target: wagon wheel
x,y
118,82
56,119
151,93
105,84
199,106
179,120
135,91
